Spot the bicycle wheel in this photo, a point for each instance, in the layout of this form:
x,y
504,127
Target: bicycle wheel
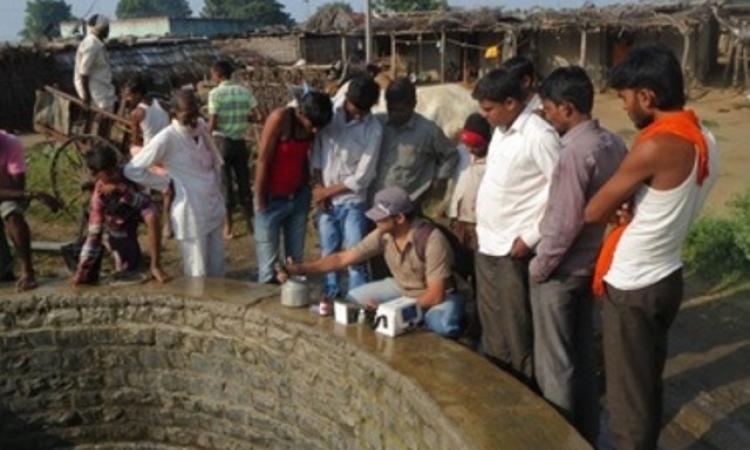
x,y
68,172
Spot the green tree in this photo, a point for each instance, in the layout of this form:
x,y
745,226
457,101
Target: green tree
x,y
264,12
43,18
148,8
333,6
409,5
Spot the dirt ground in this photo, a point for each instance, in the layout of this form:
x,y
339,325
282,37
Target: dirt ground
x,y
707,381
726,113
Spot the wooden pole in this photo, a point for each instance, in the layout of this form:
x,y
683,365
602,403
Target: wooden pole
x,y
687,71
584,43
737,63
730,58
442,56
419,55
745,58
464,62
368,31
344,56
394,56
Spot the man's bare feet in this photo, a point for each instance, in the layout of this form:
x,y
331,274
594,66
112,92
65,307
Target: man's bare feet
x,y
166,231
228,234
159,274
26,283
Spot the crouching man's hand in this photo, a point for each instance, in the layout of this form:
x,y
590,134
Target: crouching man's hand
x,y
283,273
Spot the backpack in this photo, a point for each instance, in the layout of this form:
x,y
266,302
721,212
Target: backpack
x,y
463,258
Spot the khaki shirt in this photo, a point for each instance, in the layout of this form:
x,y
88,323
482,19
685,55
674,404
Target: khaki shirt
x,y
414,155
410,273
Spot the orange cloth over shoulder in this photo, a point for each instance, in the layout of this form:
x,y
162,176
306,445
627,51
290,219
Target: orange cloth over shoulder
x,y
683,124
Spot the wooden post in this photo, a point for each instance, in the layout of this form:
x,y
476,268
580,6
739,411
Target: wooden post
x,y
464,61
394,56
343,50
510,42
737,62
745,58
442,56
730,57
584,43
419,54
368,32
686,71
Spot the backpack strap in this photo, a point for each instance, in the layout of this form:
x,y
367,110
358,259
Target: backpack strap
x,y
421,235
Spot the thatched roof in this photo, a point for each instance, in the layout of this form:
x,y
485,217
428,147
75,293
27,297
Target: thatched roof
x,y
638,15
631,15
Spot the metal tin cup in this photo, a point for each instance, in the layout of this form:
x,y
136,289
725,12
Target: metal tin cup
x,y
294,292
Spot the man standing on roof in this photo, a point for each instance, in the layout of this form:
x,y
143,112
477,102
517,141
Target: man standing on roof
x,y
93,72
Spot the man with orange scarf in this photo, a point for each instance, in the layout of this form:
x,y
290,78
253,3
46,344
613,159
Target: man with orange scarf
x,y
662,183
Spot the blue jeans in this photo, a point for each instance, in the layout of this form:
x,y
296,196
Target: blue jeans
x,y
287,215
341,228
443,319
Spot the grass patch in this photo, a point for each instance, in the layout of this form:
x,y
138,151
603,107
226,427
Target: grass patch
x,y
38,178
712,124
718,249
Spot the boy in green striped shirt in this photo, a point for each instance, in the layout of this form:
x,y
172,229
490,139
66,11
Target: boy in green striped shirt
x,y
229,107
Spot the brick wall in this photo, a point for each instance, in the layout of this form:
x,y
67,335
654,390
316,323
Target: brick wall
x,y
163,372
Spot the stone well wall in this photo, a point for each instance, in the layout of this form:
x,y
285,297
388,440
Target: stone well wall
x,y
160,370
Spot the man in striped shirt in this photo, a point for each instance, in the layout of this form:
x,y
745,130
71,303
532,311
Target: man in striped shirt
x,y
229,107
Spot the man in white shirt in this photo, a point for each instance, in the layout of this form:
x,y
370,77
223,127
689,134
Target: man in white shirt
x,y
510,205
93,74
344,162
185,149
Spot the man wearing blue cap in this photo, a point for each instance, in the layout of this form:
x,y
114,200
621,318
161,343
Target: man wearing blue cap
x,y
418,255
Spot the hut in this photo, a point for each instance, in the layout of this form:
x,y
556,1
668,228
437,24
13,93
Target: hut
x,y
457,44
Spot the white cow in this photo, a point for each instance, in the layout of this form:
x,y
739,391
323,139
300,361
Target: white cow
x,y
447,104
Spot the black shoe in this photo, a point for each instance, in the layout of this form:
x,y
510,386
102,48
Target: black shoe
x,y
7,277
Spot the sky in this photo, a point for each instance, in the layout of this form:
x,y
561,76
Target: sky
x,y
12,11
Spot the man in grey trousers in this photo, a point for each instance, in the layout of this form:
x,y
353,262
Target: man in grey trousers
x,y
560,273
510,204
